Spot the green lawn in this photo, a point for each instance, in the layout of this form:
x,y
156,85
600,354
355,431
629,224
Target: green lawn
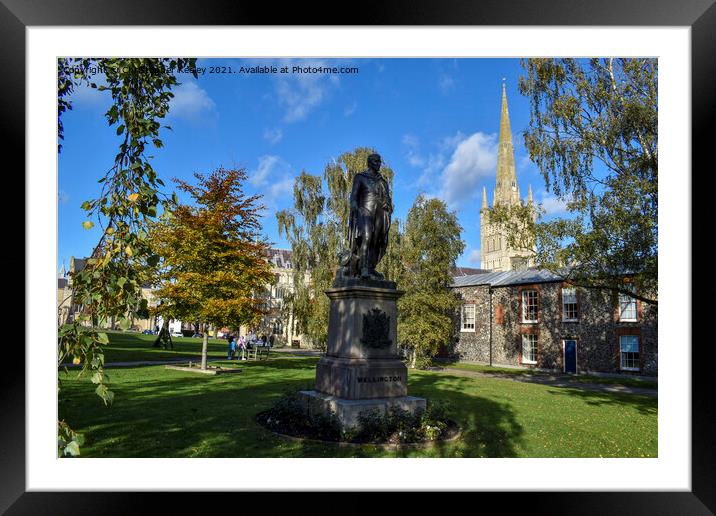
x,y
580,378
135,347
167,413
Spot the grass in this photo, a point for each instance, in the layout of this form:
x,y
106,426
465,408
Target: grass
x,y
137,347
581,378
166,413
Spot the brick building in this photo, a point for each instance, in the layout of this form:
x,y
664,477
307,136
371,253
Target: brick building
x,y
532,319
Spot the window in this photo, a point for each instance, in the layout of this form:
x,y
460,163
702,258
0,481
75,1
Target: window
x,y
529,349
529,306
569,304
629,348
467,322
627,308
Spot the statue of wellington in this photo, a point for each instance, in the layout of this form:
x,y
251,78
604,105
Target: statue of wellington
x,y
369,222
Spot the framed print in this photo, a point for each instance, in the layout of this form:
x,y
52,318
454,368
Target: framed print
x,y
449,147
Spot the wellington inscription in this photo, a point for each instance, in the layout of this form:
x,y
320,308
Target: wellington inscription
x,y
377,379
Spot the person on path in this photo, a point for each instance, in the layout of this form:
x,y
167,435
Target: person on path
x,y
241,348
232,346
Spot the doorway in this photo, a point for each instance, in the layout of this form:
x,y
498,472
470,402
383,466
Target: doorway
x,y
570,355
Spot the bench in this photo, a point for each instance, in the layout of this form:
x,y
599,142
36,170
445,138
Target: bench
x,y
258,353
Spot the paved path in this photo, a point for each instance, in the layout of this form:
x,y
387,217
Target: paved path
x,y
197,359
167,361
554,381
301,352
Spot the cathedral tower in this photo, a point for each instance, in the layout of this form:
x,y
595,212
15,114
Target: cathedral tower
x,y
494,251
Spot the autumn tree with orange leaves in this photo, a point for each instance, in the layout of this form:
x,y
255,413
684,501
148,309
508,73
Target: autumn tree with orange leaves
x,y
213,265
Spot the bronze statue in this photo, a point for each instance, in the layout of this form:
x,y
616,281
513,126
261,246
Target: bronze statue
x,y
369,222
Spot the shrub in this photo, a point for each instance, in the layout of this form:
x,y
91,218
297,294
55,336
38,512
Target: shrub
x,y
289,415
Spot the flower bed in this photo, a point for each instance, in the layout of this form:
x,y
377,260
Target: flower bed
x,y
288,417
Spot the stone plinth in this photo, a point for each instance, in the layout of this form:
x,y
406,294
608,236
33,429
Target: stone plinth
x,y
361,370
348,411
362,354
357,378
362,322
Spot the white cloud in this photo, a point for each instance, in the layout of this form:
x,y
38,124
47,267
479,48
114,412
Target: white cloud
x,y
553,205
269,167
412,150
301,93
191,102
448,143
474,157
273,135
429,163
349,110
280,188
474,257
273,180
446,83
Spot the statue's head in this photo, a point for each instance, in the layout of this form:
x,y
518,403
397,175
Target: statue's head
x,y
374,162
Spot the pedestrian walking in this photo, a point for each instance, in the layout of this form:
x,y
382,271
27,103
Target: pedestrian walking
x,y
241,346
232,346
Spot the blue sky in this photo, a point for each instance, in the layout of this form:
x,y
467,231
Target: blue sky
x,y
434,121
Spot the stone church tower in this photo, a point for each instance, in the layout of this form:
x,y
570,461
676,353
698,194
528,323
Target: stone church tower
x,y
495,255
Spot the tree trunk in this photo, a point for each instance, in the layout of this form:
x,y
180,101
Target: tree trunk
x,y
414,358
164,329
204,349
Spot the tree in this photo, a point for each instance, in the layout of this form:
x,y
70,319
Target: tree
x,y
214,267
430,246
109,286
317,229
593,134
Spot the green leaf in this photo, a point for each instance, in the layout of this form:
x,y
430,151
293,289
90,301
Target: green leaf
x,y
97,377
124,323
120,129
88,224
72,449
102,338
101,391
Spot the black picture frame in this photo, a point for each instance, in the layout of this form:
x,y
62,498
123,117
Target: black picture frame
x,y
17,15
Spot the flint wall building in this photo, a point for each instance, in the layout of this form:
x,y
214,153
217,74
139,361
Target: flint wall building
x,y
532,319
518,316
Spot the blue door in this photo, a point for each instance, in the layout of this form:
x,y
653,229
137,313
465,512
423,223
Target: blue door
x,y
570,356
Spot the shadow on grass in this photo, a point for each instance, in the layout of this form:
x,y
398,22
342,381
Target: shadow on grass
x,y
489,428
647,405
165,413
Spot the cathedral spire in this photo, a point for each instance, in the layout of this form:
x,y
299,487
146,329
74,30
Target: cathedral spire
x,y
506,188
529,195
484,198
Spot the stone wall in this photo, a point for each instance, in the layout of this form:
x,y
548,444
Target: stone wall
x,y
597,331
474,345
